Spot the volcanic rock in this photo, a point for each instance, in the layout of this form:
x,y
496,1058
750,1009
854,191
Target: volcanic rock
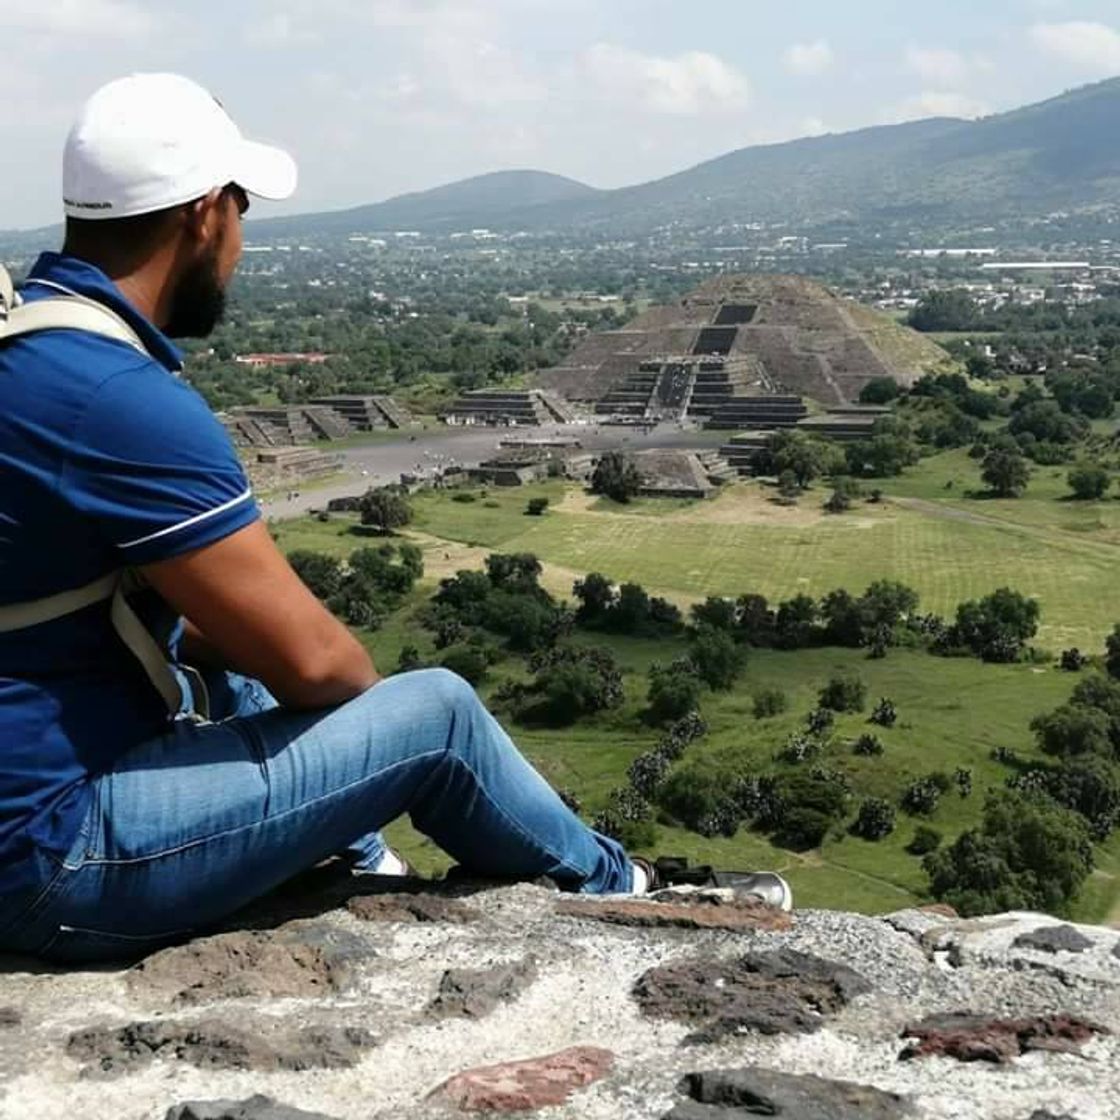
x,y
978,1038
471,993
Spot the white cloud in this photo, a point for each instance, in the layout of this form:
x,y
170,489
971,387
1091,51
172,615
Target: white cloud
x,y
279,29
938,103
106,19
682,85
808,59
933,64
813,126
1093,48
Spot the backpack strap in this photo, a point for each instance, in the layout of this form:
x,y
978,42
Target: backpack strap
x,y
75,312
65,312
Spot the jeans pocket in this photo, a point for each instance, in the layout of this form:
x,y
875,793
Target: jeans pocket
x,y
71,945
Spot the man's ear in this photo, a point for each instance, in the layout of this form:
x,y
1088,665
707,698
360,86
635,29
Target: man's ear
x,y
202,218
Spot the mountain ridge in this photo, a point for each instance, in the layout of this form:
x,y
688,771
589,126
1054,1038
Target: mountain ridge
x,y
1050,154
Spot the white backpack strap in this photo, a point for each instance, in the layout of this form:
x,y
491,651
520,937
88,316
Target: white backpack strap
x,y
146,650
75,313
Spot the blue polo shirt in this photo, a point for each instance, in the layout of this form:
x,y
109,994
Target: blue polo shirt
x,y
107,460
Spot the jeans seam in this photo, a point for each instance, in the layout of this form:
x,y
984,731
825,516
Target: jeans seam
x,y
225,833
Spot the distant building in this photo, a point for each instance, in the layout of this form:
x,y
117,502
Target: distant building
x,y
313,358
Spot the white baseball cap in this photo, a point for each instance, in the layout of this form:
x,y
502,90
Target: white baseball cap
x,y
152,141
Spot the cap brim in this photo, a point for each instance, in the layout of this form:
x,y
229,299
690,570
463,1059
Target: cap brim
x,y
265,171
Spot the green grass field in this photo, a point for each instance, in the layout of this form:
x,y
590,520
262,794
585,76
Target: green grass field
x,y
927,533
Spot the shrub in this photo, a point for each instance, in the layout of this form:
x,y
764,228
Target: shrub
x,y
1112,653
820,721
770,702
409,659
716,658
673,692
536,506
616,477
320,573
925,840
997,627
464,497
921,796
803,807
385,509
1073,660
875,819
1089,481
1073,729
868,746
799,748
469,662
885,714
633,835
844,693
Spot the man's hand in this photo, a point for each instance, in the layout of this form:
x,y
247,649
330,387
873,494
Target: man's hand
x,y
256,613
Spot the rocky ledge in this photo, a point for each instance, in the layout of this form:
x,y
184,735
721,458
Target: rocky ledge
x,y
347,999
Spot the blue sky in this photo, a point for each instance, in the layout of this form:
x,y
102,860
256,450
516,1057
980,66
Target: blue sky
x,y
377,97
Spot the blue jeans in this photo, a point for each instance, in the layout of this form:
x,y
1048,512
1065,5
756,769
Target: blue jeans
x,y
198,822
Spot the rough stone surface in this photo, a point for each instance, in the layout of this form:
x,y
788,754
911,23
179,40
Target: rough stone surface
x,y
10,1017
977,1038
471,993
255,1108
306,961
1054,939
529,1084
216,1044
777,992
689,912
411,908
753,1091
583,995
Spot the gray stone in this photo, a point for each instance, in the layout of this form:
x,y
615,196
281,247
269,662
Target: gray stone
x,y
296,961
216,1044
10,1017
1053,939
1044,1114
471,993
781,992
255,1108
753,1091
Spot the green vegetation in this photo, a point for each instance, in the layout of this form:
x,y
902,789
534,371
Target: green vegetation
x,y
846,803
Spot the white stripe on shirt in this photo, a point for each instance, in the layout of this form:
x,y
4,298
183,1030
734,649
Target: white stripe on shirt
x,y
190,520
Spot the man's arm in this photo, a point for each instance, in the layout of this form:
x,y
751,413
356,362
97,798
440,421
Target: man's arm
x,y
256,613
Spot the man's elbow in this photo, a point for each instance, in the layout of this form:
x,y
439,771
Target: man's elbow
x,y
325,678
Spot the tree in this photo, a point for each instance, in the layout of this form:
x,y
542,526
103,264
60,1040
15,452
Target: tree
x,y
717,613
1028,854
1089,481
469,662
997,627
1005,473
875,819
803,809
569,683
884,714
880,390
385,509
924,841
1112,653
1073,730
673,692
596,596
804,456
518,572
616,477
716,657
322,574
795,626
949,310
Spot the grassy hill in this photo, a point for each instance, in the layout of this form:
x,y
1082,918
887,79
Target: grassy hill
x,y
928,534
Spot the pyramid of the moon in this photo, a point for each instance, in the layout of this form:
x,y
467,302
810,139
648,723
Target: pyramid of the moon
x,y
740,337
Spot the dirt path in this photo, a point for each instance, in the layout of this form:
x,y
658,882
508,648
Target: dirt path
x,y
952,513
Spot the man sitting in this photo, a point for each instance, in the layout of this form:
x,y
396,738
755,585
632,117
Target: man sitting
x,y
140,801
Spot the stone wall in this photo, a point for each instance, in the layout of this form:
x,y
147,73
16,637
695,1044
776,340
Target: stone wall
x,y
375,999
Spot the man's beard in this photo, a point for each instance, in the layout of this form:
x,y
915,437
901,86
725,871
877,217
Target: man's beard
x,y
198,302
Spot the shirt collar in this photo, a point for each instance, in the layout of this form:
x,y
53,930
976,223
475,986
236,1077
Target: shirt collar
x,y
88,280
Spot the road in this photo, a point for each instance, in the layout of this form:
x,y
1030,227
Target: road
x,y
383,462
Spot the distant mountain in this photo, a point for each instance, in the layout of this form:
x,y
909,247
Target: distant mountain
x,y
1059,154
480,201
